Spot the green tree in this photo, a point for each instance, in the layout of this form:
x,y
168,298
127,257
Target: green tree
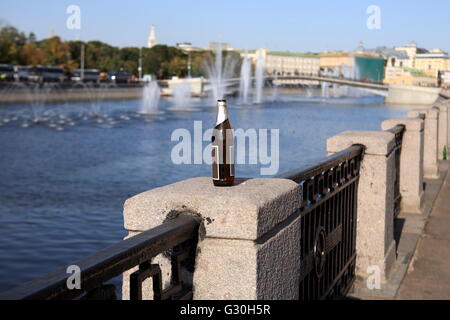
x,y
161,60
11,40
164,61
56,52
30,54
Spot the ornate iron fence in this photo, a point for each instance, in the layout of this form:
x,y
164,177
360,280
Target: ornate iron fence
x,y
398,132
328,223
176,237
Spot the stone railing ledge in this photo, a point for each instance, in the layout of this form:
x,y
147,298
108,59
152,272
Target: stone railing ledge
x,y
410,124
243,211
249,240
376,143
429,113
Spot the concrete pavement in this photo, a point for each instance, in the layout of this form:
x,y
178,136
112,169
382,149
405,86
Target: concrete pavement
x,y
428,275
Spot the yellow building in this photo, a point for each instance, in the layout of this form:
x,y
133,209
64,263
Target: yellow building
x,y
411,50
334,60
408,76
432,62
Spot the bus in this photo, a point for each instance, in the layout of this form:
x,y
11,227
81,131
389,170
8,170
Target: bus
x,y
42,74
119,77
89,75
6,72
22,73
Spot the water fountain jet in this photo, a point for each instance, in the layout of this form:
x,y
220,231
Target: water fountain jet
x,y
245,80
259,77
218,72
150,98
182,95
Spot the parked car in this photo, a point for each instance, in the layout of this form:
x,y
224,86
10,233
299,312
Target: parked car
x,y
6,72
119,77
86,75
42,74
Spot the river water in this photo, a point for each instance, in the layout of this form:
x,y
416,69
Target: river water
x,y
62,188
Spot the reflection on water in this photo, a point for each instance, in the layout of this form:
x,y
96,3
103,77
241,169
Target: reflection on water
x,y
62,191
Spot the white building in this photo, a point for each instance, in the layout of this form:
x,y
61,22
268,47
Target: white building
x,y
224,46
187,47
290,63
152,38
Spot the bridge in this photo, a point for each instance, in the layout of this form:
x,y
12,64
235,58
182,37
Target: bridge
x,y
342,81
394,94
375,88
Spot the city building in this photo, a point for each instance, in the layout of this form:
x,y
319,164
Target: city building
x,y
397,64
432,62
354,65
284,63
152,37
411,65
412,50
394,58
224,46
187,47
332,60
408,76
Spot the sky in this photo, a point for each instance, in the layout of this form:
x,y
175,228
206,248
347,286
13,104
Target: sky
x,y
280,25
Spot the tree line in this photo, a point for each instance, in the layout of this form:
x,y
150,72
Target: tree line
x,y
163,61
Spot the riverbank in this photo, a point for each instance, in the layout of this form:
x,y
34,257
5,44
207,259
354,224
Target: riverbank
x,y
56,93
61,94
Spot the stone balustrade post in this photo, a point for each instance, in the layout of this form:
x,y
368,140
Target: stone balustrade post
x,y
431,129
375,245
249,241
443,129
446,103
411,162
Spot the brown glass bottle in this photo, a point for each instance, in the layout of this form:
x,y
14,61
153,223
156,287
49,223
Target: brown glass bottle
x,y
222,148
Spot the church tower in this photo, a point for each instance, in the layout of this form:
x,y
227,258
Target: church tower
x,y
152,37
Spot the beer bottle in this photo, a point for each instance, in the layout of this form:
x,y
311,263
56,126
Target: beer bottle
x,y
222,148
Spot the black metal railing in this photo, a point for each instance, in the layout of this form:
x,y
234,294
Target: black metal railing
x,y
398,131
176,238
328,223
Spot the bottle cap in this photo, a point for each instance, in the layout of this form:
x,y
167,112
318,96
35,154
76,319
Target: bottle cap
x,y
221,103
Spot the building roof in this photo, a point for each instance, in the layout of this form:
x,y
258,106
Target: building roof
x,y
283,53
387,52
433,55
293,54
334,54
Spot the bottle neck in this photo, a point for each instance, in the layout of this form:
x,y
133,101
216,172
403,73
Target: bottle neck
x,y
222,114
